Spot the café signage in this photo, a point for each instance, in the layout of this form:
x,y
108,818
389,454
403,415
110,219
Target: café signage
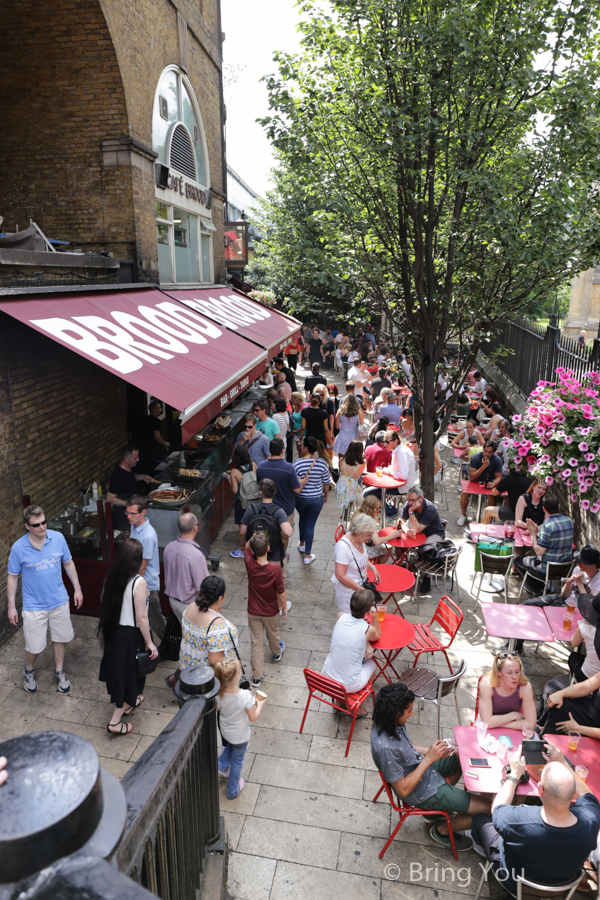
x,y
178,184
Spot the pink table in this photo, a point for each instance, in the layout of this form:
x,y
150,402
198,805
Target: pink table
x,y
473,487
509,620
396,633
372,479
393,580
555,615
522,538
488,780
458,451
477,530
587,754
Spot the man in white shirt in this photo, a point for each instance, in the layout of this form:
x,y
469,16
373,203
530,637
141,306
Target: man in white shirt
x,y
407,366
361,378
354,354
480,384
403,462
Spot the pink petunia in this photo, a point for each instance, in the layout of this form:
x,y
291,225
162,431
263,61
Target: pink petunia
x,y
593,467
584,447
573,498
549,479
589,457
573,462
589,482
568,439
516,419
582,487
585,504
544,441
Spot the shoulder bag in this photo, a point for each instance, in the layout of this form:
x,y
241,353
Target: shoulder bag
x,y
145,665
244,682
365,583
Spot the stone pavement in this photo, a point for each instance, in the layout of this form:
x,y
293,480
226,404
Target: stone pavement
x,y
304,826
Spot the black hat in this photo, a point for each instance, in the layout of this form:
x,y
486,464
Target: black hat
x,y
589,607
588,555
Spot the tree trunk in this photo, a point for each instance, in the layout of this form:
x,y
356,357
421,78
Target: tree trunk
x,y
426,454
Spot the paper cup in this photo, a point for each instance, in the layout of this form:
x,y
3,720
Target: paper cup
x,y
261,695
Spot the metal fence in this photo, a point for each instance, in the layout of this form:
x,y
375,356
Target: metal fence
x,y
528,353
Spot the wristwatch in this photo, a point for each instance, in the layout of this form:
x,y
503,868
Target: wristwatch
x,y
513,778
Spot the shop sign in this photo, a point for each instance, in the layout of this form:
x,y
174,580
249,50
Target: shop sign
x,y
181,186
233,391
232,311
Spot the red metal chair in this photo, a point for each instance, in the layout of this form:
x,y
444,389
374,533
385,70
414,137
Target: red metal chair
x,y
340,531
405,811
337,691
449,616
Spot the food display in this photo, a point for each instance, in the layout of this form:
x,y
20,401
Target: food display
x,y
190,473
172,495
223,422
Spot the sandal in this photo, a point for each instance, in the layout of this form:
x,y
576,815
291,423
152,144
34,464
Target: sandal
x,y
131,709
128,726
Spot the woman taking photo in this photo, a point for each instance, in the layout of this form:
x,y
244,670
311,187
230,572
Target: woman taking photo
x,y
207,636
506,696
313,463
349,417
352,564
124,629
348,491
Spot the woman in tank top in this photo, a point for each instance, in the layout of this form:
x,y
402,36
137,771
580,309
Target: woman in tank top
x,y
529,505
506,696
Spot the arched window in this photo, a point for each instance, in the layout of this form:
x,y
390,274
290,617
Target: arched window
x,y
183,222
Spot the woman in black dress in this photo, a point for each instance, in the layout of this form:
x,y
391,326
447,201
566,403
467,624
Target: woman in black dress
x,y
314,348
315,422
124,629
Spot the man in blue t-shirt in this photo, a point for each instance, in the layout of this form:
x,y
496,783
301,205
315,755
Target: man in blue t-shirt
x,y
38,557
142,531
284,476
485,468
547,844
263,423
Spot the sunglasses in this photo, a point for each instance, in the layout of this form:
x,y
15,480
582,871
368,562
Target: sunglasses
x,y
248,427
37,524
505,655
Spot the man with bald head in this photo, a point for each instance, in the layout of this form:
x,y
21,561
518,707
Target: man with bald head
x,y
547,844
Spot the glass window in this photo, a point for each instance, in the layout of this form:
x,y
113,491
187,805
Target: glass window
x,y
168,87
165,269
206,254
189,118
185,232
162,210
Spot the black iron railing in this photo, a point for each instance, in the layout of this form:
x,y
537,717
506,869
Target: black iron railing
x,y
528,353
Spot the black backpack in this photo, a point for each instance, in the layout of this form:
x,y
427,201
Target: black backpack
x,y
263,519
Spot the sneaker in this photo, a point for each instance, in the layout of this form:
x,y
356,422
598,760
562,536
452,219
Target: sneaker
x,y
29,682
462,521
64,685
462,842
301,546
224,773
256,682
424,585
278,656
289,606
237,554
309,559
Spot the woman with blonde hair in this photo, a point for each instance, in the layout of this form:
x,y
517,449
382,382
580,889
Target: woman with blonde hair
x,y
348,491
506,696
376,549
349,417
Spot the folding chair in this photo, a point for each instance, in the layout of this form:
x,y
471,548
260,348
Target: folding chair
x,y
324,685
554,571
428,685
438,481
404,811
494,565
441,569
449,616
529,889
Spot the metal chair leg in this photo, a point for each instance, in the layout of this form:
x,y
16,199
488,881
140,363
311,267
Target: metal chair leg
x,y
439,724
457,706
480,885
479,588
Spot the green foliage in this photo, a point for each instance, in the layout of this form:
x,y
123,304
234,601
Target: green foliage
x,y
443,154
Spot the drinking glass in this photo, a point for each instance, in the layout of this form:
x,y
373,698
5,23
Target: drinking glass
x,y
582,771
481,731
574,738
528,731
509,529
381,613
567,621
501,751
379,471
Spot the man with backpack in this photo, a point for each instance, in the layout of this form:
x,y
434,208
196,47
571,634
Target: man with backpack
x,y
255,442
269,519
285,477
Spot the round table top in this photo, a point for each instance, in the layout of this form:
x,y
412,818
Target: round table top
x,y
407,543
473,487
392,578
382,481
396,633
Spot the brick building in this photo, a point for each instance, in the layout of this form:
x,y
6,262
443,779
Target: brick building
x,y
93,95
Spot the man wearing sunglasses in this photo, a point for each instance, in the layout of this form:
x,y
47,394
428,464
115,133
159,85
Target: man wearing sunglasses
x,y
257,443
38,558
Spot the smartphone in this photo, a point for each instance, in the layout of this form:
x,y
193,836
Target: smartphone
x,y
480,763
532,751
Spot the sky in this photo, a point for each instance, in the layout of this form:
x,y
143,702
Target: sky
x,y
253,32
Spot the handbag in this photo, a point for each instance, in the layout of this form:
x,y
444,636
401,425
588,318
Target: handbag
x,y
365,583
145,665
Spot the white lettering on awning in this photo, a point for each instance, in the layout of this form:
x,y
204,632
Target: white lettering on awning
x,y
122,338
230,311
84,341
155,336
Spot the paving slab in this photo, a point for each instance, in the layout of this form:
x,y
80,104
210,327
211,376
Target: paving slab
x,y
296,882
281,744
311,776
304,844
250,877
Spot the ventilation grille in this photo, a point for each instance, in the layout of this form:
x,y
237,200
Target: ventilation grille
x,y
182,155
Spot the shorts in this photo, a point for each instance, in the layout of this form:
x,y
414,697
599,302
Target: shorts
x,y
505,513
448,797
36,622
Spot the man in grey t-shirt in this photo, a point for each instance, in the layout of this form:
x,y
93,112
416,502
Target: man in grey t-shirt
x,y
421,776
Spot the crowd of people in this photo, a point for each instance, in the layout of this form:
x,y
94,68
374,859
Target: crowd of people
x,y
293,448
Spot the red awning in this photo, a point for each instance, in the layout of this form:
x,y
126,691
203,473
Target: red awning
x,y
268,328
161,346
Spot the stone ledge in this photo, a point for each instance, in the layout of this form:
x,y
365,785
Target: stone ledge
x,y
62,260
507,390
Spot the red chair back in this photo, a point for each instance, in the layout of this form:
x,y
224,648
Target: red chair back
x,y
449,616
318,682
394,801
340,531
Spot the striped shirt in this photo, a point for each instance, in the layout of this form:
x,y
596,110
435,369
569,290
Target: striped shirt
x,y
318,477
556,535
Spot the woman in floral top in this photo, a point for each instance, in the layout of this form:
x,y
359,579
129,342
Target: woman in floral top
x,y
207,636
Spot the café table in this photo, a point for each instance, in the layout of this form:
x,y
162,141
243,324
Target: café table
x,y
473,487
392,580
404,544
587,754
487,780
555,616
478,530
396,633
514,621
385,482
522,538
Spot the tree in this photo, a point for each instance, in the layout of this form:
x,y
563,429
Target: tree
x,y
450,149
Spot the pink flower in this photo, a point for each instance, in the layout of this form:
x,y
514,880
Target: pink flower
x,y
540,431
523,451
589,482
565,473
589,457
568,439
585,504
583,447
549,479
532,460
595,508
516,419
560,419
593,467
544,441
545,458
573,462
585,430
583,487
573,498
560,461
